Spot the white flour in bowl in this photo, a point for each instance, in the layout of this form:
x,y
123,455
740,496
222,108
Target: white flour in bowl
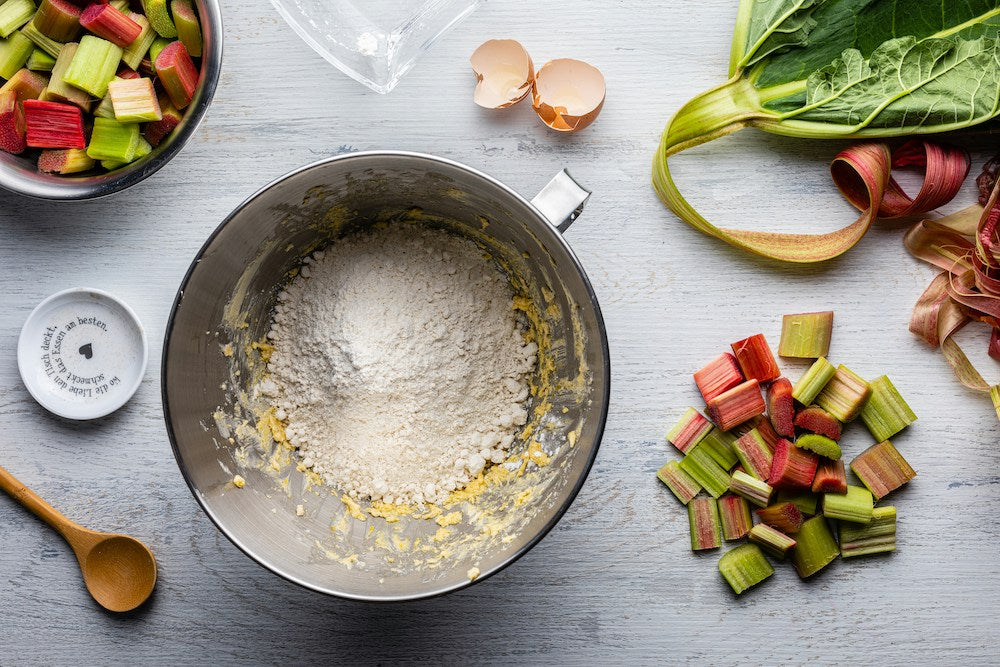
x,y
399,364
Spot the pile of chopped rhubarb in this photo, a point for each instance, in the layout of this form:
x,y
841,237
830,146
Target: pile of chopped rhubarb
x,y
766,465
94,85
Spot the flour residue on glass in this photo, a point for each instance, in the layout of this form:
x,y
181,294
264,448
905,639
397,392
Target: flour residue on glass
x,y
400,365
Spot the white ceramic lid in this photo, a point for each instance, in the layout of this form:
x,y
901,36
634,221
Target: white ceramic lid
x,y
82,353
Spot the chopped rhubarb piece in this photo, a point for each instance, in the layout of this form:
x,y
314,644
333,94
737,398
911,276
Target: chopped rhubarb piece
x,y
177,74
156,131
739,404
11,124
994,349
830,477
781,407
812,382
107,22
719,445
882,469
806,335
786,517
855,506
127,73
817,420
64,161
744,567
94,65
766,430
134,101
877,537
14,54
706,529
112,140
756,359
39,61
690,429
756,491
719,376
844,395
159,16
815,547
679,482
792,467
734,512
700,465
27,84
772,541
47,44
886,413
137,50
53,125
58,89
188,28
58,20
820,444
754,454
14,14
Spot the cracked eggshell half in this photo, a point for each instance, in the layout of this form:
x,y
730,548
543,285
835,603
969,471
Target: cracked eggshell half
x,y
568,94
504,72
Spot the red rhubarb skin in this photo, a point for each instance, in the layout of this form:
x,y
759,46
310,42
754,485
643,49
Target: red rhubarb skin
x,y
726,419
781,407
719,376
792,467
108,23
53,125
12,138
831,477
817,420
177,74
157,130
756,359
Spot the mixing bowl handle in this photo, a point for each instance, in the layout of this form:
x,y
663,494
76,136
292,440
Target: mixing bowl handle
x,y
561,201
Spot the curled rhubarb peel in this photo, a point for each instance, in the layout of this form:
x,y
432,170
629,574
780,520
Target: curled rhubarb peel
x,y
863,175
966,246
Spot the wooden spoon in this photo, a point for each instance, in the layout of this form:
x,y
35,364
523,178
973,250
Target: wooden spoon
x,y
120,571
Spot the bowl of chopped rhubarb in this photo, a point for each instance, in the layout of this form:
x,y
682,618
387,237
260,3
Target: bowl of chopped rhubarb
x,y
98,96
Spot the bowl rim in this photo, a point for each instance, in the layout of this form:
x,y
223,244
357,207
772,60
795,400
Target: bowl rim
x,y
556,516
61,188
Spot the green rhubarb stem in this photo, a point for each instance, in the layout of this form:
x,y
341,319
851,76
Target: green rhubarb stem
x,y
715,113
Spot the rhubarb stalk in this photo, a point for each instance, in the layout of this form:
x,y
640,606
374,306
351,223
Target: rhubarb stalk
x,y
741,403
734,512
679,482
744,567
706,529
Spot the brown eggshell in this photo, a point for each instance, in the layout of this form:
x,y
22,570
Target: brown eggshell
x,y
504,72
568,94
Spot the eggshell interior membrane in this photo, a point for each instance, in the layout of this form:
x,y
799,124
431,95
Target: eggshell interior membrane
x,y
504,71
568,94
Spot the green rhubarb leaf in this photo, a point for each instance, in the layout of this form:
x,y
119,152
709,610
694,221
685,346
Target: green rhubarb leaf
x,y
772,26
840,69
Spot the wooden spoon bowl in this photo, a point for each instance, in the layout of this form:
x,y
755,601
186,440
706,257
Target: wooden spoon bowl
x,y
119,571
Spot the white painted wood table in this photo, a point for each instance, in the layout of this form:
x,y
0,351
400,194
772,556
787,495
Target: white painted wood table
x,y
615,581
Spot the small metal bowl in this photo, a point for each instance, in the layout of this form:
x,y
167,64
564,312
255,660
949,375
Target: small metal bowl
x,y
20,174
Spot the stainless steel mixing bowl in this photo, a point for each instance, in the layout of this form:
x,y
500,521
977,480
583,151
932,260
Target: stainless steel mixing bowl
x,y
227,296
20,174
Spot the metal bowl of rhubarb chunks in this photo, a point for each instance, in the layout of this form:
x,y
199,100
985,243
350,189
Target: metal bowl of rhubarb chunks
x,y
98,96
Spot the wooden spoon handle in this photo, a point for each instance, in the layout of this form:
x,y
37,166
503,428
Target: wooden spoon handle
x,y
33,502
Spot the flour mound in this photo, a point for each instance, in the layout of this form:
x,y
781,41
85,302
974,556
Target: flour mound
x,y
400,364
